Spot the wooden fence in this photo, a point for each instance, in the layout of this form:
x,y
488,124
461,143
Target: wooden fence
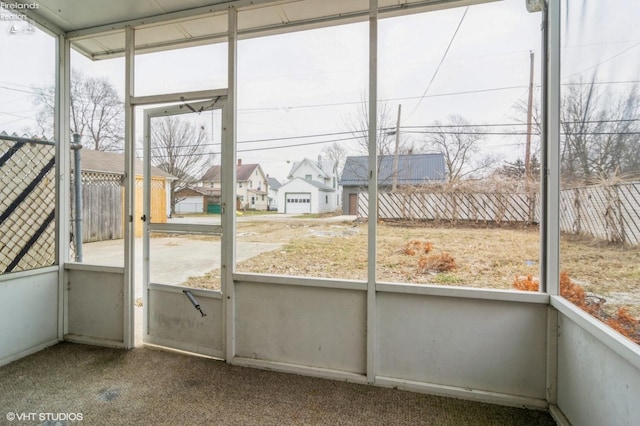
x,y
454,206
102,206
607,212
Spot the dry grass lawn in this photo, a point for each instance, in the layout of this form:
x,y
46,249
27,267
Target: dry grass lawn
x,y
485,257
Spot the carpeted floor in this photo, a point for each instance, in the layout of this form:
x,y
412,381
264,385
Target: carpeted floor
x,y
153,387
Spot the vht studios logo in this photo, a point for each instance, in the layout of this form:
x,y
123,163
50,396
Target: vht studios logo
x,y
42,417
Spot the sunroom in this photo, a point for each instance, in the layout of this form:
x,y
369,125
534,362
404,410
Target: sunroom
x,y
515,282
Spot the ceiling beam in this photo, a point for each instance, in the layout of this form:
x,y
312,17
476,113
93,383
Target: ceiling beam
x,y
268,29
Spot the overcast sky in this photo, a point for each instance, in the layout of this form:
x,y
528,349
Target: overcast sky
x,y
312,82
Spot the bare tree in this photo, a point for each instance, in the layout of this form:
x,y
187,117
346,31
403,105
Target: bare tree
x,y
358,125
180,147
600,132
337,154
460,142
517,169
96,113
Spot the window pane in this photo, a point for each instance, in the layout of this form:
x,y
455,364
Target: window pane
x,y
458,178
183,70
27,167
297,93
185,203
98,87
600,161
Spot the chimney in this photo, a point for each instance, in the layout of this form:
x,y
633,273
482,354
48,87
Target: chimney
x,y
239,162
320,161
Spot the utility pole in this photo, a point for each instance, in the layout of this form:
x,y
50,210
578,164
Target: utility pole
x,y
395,157
527,154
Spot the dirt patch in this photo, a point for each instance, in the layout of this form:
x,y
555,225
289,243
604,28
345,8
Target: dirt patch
x,y
485,257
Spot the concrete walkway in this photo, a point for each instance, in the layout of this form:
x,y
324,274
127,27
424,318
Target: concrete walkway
x,y
173,259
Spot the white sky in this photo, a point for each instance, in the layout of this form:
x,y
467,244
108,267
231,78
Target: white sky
x,y
310,82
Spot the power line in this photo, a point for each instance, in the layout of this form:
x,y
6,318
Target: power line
x,y
603,61
426,132
441,62
364,132
435,95
18,90
412,130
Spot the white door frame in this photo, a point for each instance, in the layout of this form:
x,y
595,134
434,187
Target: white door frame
x,y
172,292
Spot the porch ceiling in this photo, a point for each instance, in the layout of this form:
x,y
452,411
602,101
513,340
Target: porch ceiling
x,y
97,27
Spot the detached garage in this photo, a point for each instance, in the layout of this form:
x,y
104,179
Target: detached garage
x,y
298,202
301,196
197,200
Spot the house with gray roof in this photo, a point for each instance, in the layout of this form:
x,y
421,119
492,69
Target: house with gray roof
x,y
413,169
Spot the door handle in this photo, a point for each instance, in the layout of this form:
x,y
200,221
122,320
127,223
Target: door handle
x,y
144,218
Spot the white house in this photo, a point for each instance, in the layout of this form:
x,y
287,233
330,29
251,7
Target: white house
x,y
312,188
274,185
306,196
252,186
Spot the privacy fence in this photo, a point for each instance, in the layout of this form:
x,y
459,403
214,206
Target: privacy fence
x,y
27,203
102,206
607,212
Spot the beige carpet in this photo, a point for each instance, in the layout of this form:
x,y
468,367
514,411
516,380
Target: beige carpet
x,y
153,387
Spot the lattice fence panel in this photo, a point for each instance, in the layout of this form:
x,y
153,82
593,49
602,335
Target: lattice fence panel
x,y
27,205
607,212
454,206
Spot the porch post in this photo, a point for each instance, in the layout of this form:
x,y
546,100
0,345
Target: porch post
x,y
62,137
372,189
229,191
129,191
550,191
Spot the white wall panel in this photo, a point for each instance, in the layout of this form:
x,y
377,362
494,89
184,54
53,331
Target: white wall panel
x,y
596,386
28,312
95,303
477,345
310,326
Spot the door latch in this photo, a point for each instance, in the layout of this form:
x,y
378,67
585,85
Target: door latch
x,y
144,218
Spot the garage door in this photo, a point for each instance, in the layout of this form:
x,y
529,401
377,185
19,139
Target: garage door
x,y
298,202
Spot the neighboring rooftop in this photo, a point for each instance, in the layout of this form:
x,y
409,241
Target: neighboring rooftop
x,y
413,169
322,167
112,162
273,182
319,185
243,172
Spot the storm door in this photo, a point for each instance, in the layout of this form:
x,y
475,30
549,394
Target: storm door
x,y
179,193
